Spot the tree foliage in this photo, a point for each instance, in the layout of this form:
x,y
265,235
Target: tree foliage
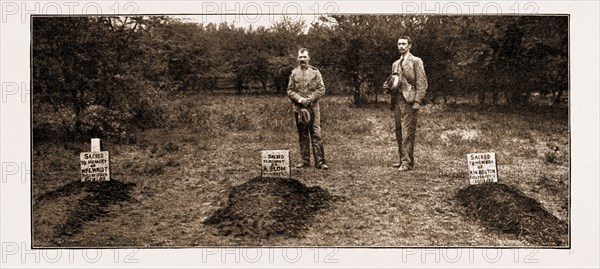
x,y
113,71
101,67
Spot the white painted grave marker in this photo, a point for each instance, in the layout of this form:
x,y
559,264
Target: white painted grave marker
x,y
482,168
275,163
95,165
95,144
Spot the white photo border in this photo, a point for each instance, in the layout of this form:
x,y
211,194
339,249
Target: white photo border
x,y
15,143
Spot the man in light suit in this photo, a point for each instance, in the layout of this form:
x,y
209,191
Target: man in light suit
x,y
407,96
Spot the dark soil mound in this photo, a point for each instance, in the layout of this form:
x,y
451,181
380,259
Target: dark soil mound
x,y
509,210
100,195
264,207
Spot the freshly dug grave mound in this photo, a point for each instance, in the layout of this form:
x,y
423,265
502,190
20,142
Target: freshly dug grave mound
x,y
509,210
94,204
264,207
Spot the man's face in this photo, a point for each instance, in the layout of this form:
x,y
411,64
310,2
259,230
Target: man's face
x,y
303,58
403,45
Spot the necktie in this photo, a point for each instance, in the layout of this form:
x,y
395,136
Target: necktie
x,y
400,65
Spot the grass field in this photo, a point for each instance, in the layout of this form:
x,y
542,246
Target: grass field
x,y
172,179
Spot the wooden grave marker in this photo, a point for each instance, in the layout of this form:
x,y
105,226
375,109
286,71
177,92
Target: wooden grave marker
x,y
95,165
275,163
482,168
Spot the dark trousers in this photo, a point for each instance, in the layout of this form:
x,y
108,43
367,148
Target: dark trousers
x,y
406,126
311,134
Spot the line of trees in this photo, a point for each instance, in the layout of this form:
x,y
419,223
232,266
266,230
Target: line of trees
x,y
113,71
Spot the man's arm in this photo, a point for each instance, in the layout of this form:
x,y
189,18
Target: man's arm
x,y
291,91
319,90
420,81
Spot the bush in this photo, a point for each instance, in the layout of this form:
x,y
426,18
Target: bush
x,y
147,115
51,122
552,154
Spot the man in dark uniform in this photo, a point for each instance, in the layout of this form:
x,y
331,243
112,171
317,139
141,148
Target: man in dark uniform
x,y
305,88
407,96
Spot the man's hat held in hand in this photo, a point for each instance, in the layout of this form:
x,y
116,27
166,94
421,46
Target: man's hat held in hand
x,y
304,117
393,82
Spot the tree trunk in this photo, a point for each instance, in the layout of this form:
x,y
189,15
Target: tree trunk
x,y
357,95
264,85
239,84
78,106
481,97
495,96
277,85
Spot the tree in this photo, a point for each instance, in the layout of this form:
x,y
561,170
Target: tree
x,y
98,65
513,55
286,40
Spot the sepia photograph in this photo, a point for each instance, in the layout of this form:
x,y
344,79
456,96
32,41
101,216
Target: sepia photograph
x,y
338,130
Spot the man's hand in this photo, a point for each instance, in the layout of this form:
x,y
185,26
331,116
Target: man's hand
x,y
305,101
416,105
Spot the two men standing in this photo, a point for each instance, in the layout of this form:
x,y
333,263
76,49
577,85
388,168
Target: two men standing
x,y
306,87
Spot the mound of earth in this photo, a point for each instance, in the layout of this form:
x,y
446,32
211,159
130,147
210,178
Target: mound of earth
x,y
97,197
264,207
509,210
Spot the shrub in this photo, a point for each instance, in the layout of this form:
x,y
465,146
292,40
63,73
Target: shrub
x,y
552,154
97,120
147,114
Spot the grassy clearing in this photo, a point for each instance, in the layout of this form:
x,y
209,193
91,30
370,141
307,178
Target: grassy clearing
x,y
181,174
